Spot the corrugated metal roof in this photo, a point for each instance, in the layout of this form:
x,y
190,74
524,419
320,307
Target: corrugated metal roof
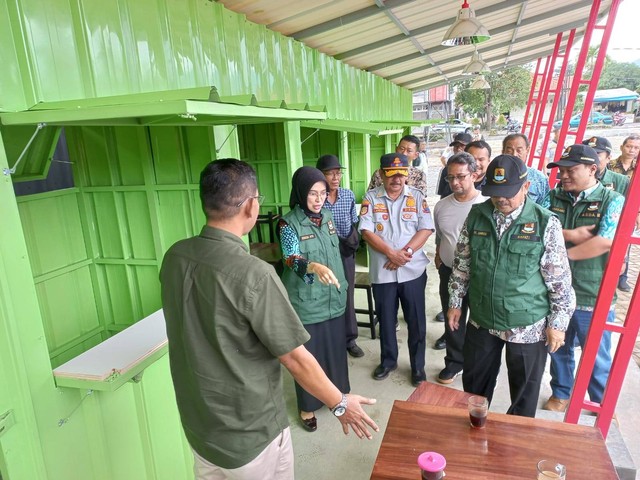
x,y
400,39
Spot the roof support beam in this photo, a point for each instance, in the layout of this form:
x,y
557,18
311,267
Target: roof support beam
x,y
347,19
565,9
489,48
492,9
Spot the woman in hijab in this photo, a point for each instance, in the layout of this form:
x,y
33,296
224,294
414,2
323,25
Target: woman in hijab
x,y
315,281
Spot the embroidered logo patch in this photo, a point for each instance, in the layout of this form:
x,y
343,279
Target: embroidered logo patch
x,y
529,228
499,175
425,206
593,207
385,217
411,202
407,216
379,227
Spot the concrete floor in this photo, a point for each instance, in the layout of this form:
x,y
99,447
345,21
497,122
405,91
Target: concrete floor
x,y
328,454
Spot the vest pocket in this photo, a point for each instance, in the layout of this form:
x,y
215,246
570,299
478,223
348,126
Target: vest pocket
x,y
524,257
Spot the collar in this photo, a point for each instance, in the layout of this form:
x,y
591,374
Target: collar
x,y
383,193
218,234
583,194
511,216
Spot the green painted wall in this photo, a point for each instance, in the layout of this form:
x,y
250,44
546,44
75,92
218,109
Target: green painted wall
x,y
80,264
62,50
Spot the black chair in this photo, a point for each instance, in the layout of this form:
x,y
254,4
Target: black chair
x,y
270,220
362,281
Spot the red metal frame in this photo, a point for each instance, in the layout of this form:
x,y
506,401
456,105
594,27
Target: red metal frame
x,y
533,98
550,113
628,332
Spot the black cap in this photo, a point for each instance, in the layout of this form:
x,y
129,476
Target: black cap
x,y
462,139
328,162
394,164
599,144
505,175
576,155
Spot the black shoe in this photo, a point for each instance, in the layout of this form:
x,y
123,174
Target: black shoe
x,y
310,424
440,344
446,376
380,373
417,378
439,317
355,351
623,286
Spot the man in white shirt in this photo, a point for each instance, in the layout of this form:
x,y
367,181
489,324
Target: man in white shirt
x,y
449,216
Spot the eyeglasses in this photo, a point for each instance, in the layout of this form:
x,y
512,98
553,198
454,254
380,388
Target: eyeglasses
x,y
317,195
451,178
260,199
337,174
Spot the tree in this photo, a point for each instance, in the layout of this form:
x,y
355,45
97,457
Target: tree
x,y
509,89
620,75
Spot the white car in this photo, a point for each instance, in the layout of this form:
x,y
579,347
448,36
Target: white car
x,y
454,126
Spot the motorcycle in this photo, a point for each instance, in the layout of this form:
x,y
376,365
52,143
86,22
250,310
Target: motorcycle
x,y
513,126
619,119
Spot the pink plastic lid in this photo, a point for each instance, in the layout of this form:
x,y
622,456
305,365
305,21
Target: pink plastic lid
x,y
432,462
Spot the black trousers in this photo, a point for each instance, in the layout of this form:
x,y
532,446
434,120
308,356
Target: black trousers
x,y
525,366
454,358
410,295
351,322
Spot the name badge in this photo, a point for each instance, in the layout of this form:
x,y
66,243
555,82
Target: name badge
x,y
307,237
480,233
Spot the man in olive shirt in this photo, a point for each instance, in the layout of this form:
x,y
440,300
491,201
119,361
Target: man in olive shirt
x,y
230,325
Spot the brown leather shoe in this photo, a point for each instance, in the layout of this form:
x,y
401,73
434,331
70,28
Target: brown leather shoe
x,y
556,404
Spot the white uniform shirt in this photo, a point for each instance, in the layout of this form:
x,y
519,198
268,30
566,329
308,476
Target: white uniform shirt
x,y
396,222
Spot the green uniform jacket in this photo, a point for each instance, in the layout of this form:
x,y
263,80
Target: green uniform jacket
x,y
506,288
615,181
587,274
316,302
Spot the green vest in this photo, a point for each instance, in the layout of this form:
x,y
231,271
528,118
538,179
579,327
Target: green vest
x,y
587,274
506,288
316,302
615,181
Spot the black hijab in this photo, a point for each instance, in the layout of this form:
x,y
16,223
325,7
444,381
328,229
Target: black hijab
x,y
303,179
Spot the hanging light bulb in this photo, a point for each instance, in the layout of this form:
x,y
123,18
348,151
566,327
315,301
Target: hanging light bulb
x,y
480,83
466,30
476,65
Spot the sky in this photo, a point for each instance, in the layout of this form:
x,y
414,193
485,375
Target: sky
x,y
624,45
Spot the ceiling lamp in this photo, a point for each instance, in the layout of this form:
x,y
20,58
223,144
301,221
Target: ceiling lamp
x,y
476,65
480,83
466,30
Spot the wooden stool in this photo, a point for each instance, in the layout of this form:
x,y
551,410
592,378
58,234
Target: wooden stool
x,y
362,281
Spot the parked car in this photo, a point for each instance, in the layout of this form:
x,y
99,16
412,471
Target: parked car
x,y
596,117
454,126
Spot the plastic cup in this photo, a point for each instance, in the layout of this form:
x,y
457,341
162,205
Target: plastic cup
x,y
478,410
550,469
432,465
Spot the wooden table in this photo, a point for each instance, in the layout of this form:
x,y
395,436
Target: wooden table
x,y
433,394
507,449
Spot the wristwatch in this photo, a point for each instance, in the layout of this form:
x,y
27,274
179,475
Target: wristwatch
x,y
341,407
409,250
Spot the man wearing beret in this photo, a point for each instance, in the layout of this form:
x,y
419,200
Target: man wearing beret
x,y
589,214
510,259
395,221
